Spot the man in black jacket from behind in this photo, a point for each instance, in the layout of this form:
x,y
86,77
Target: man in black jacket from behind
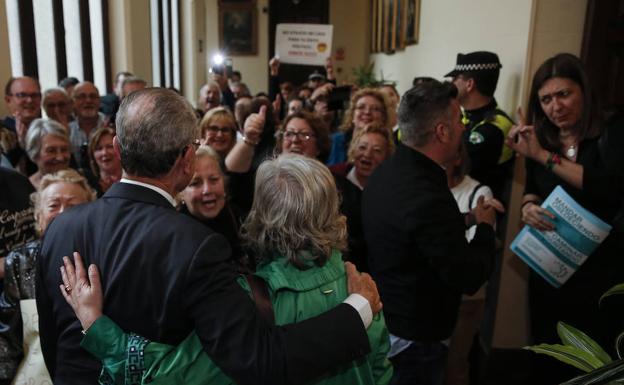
x,y
418,254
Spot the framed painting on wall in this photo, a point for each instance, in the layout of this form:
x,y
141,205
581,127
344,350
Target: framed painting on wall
x,y
411,21
237,28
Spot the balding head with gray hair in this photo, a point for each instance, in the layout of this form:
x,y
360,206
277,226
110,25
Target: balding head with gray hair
x,y
154,127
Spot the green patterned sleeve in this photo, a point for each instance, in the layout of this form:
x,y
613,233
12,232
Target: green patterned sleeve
x,y
107,342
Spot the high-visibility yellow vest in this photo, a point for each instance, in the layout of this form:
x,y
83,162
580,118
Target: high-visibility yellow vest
x,y
499,119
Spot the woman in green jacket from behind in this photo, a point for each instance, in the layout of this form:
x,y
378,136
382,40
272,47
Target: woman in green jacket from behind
x,y
297,230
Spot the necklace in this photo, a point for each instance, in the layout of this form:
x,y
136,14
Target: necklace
x,y
571,151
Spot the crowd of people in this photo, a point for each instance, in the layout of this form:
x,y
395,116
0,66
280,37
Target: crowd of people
x,y
213,248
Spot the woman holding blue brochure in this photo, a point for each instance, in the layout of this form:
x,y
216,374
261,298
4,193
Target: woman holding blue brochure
x,y
564,140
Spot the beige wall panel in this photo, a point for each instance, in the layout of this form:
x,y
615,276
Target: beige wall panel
x,y
130,37
5,60
351,19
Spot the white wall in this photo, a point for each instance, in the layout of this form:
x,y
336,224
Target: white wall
x,y
448,27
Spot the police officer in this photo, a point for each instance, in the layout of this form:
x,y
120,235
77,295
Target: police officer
x,y
475,75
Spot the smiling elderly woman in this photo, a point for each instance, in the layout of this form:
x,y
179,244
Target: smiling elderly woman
x,y
57,192
47,144
303,133
296,228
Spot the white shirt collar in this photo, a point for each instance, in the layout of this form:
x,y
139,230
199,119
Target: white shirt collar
x,y
353,179
162,192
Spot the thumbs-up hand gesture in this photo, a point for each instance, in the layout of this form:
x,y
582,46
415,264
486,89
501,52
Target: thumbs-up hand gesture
x,y
254,125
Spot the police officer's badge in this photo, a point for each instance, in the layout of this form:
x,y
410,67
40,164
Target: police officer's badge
x,y
476,138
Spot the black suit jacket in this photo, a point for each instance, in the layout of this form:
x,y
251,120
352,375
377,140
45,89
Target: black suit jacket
x,y
164,275
417,250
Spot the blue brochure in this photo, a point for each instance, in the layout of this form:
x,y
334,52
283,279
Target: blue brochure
x,y
556,255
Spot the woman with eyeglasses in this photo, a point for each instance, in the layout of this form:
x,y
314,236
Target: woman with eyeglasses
x,y
218,129
367,106
305,134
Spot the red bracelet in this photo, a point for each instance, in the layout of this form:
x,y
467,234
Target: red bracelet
x,y
552,160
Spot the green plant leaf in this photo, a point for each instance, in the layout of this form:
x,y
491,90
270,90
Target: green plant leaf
x,y
608,374
618,342
617,289
568,354
574,337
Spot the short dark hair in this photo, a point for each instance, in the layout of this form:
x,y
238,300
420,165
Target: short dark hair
x,y
421,107
563,65
485,81
423,79
68,82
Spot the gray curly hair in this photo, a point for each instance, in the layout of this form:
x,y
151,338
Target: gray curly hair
x,y
295,212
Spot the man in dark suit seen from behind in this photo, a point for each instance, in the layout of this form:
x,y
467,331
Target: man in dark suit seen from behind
x,y
165,275
418,253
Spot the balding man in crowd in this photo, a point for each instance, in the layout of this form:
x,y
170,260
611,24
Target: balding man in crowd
x,y
418,253
163,275
23,98
86,99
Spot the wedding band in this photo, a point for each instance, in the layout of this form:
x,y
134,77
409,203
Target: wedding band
x,y
68,289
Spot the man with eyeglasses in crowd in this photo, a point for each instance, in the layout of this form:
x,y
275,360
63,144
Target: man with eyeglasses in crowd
x,y
86,98
23,98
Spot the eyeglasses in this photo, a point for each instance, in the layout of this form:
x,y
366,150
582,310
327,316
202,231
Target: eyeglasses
x,y
305,136
26,95
87,96
215,130
195,143
56,105
365,107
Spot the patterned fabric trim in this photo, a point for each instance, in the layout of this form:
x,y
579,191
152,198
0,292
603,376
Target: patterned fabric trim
x,y
135,364
477,67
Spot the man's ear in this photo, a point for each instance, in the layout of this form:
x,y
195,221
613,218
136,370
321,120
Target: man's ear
x,y
189,160
470,85
441,132
116,147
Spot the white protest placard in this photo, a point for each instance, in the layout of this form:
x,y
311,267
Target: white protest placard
x,y
306,44
556,255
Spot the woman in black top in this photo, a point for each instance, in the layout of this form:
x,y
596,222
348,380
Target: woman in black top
x,y
564,143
